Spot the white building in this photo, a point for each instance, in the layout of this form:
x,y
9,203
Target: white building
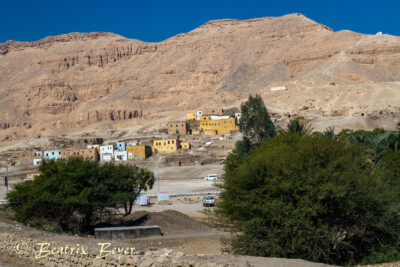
x,y
106,157
199,113
215,117
37,161
107,150
279,88
120,155
92,146
106,153
237,117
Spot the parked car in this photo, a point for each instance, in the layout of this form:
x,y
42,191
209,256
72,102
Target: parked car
x,y
208,201
211,177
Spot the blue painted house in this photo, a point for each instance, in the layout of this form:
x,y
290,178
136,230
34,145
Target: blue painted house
x,y
121,146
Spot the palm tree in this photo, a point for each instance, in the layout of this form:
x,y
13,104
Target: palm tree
x,y
296,127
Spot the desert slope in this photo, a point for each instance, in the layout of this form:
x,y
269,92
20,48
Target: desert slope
x,y
80,81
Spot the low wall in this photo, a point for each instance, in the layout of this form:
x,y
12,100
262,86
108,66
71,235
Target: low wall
x,y
129,232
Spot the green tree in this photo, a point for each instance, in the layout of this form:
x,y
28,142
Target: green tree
x,y
75,193
296,127
255,122
314,198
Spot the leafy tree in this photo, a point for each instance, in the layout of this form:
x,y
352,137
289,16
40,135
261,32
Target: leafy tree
x,y
296,127
255,122
77,192
314,198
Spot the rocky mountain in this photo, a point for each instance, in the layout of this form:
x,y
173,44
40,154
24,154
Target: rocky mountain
x,y
79,81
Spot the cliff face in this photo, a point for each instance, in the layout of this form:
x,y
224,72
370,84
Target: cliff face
x,y
79,79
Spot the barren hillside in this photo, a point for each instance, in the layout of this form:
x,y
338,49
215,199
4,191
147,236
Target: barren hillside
x,y
96,81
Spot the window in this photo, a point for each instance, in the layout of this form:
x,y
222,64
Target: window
x,y
177,125
224,121
182,125
52,153
168,142
173,141
171,125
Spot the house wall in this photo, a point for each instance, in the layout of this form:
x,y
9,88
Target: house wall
x,y
36,161
185,145
52,154
138,152
121,146
199,113
191,116
120,155
220,126
165,146
177,127
107,150
213,111
26,157
106,157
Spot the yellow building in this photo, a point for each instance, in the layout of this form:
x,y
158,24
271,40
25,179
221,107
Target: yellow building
x,y
210,132
32,175
195,132
138,152
221,126
191,116
165,146
185,145
204,118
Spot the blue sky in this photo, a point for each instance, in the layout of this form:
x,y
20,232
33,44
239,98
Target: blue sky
x,y
156,20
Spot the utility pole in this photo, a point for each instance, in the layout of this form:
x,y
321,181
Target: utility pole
x,y
7,178
158,176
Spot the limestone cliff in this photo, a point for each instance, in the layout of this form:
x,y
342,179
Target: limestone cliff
x,y
77,80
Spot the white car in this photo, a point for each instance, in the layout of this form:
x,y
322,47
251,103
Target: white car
x,y
211,177
208,200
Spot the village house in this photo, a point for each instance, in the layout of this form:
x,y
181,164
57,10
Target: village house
x,y
31,176
52,154
26,157
120,155
237,117
121,146
185,145
191,116
177,128
165,146
89,141
213,111
85,153
106,153
37,161
199,113
221,126
138,152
